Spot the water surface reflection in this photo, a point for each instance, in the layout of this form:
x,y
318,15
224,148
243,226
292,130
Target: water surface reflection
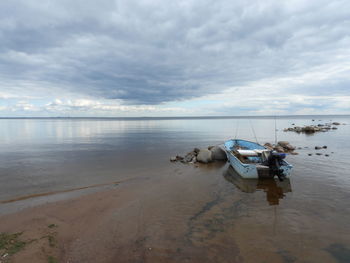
x,y
274,189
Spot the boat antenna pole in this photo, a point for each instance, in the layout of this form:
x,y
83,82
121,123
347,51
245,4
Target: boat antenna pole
x,y
237,125
275,130
251,125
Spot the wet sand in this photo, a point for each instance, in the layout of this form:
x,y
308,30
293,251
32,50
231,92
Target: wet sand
x,y
187,214
137,221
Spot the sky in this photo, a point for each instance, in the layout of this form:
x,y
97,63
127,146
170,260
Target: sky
x,y
112,58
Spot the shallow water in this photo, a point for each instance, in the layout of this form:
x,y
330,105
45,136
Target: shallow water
x,y
218,216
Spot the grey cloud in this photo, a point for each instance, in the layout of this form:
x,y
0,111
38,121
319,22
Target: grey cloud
x,y
335,87
149,52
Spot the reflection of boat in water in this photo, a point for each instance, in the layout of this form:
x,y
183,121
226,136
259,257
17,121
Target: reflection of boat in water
x,y
252,160
274,189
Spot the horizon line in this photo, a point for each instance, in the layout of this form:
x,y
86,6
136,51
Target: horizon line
x,y
178,117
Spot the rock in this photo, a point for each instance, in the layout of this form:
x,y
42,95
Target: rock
x,y
309,129
313,120
279,149
289,147
268,146
318,148
179,158
210,147
293,123
188,158
194,160
173,159
299,148
286,145
297,129
294,153
336,123
204,156
324,147
310,154
283,143
326,155
334,128
196,150
318,153
218,153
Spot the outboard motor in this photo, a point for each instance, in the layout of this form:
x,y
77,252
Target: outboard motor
x,y
274,161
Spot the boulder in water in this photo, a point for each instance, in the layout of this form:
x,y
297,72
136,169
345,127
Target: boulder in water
x,y
283,143
204,156
289,147
218,154
188,158
286,146
309,129
279,149
268,146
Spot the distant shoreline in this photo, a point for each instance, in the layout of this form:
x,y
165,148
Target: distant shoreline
x,y
182,117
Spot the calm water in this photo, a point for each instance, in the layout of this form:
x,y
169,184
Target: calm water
x,y
305,219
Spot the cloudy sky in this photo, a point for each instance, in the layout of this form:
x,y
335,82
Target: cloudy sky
x,y
174,58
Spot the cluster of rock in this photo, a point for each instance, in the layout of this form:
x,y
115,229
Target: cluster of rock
x,y
314,128
281,147
206,155
320,148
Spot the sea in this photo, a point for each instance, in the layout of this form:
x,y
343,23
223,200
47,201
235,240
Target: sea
x,y
303,219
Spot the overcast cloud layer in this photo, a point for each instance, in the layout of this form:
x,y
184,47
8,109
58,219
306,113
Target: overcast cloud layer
x,y
157,58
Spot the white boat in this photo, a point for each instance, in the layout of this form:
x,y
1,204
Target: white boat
x,y
252,160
